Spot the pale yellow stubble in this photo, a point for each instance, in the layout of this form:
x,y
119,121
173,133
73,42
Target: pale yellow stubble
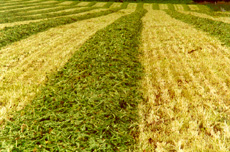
x,y
178,7
132,6
163,6
66,3
184,87
83,3
115,5
99,4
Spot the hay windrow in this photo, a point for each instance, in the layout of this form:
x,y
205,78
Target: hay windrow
x,y
132,6
66,3
178,7
115,5
99,4
163,6
186,88
83,3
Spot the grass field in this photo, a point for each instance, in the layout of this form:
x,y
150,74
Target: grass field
x,y
111,76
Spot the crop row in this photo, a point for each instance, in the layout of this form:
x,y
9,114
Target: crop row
x,y
94,96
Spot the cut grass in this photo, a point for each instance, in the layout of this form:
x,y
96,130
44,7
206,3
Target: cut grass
x,y
11,34
115,5
26,64
46,15
219,29
91,103
5,25
186,87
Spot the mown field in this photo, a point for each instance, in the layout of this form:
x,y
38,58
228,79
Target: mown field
x,y
110,76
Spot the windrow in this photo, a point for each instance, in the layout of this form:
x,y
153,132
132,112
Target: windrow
x,y
11,34
91,103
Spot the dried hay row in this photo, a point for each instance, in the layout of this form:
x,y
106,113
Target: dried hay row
x,y
202,15
99,4
163,6
83,4
148,6
26,64
66,3
132,6
194,7
178,7
187,88
115,5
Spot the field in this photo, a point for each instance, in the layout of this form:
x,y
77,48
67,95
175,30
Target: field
x,y
111,76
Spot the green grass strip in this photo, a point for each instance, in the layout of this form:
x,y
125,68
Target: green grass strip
x,y
89,105
156,6
12,34
218,29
